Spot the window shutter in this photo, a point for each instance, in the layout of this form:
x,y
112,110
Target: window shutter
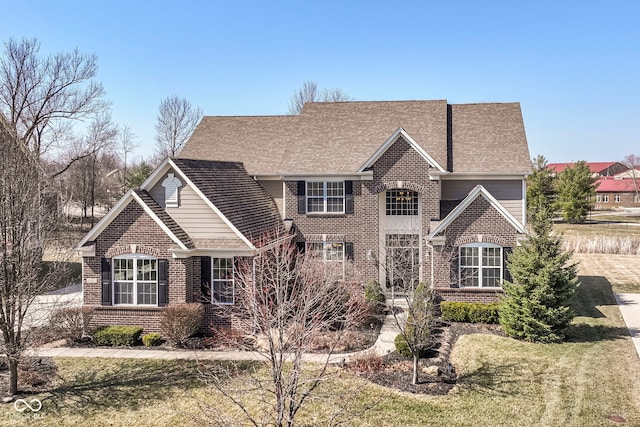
x,y
205,279
348,197
163,282
302,197
506,275
348,250
302,246
105,268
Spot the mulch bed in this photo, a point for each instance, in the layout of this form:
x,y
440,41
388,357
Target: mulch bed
x,y
437,376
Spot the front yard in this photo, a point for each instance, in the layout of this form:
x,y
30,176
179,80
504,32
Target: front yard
x,y
591,380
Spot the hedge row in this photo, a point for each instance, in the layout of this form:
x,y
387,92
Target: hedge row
x,y
470,312
118,335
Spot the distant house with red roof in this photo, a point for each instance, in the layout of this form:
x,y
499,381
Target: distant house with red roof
x,y
616,187
598,169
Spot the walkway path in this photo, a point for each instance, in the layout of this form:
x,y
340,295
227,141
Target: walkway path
x,y
383,345
629,305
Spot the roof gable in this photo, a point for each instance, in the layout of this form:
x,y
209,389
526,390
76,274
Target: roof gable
x,y
400,133
151,208
229,190
478,191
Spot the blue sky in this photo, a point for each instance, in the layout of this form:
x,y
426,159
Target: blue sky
x,y
573,65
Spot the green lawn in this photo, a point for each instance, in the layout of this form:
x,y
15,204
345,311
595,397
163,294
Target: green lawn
x,y
502,382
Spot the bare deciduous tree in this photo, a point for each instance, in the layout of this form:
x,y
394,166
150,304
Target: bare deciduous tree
x,y
310,93
41,95
26,224
127,142
177,119
632,161
287,300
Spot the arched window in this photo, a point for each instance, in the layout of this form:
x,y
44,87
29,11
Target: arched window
x,y
481,265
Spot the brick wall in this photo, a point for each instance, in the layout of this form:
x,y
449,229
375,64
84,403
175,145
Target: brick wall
x,y
399,163
134,227
481,223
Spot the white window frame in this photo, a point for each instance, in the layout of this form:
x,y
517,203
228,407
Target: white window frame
x,y
324,197
219,280
605,198
135,282
482,247
324,252
598,198
616,198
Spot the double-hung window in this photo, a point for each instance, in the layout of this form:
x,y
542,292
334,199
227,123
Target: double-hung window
x,y
328,251
135,281
325,197
222,284
481,265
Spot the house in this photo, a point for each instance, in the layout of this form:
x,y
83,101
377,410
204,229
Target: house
x,y
598,169
615,183
407,191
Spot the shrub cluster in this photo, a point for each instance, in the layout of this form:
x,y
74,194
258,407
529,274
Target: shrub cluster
x,y
180,321
470,312
152,339
72,323
118,335
374,296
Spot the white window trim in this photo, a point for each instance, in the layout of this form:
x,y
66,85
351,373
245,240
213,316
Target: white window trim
x,y
480,267
325,246
324,197
232,280
616,198
135,257
605,198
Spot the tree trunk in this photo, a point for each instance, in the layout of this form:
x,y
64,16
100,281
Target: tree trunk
x,y
13,376
414,381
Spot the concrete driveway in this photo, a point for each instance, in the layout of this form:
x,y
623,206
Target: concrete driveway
x,y
44,305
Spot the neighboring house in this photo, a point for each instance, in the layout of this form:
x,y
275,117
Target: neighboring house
x,y
615,185
598,169
617,192
407,191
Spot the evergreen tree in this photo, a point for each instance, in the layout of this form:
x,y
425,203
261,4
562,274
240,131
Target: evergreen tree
x,y
540,182
536,306
576,189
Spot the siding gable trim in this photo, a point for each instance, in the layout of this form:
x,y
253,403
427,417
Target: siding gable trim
x,y
162,169
478,191
390,141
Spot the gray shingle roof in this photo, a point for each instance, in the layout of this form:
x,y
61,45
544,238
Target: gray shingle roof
x,y
165,218
241,199
338,137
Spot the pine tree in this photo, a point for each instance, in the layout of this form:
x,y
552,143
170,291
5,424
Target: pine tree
x,y
536,306
540,182
576,188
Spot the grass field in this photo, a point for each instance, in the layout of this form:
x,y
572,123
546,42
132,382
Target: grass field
x,y
503,382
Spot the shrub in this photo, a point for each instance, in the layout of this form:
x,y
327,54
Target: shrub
x,y
118,335
374,296
180,321
72,323
152,339
470,312
402,347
